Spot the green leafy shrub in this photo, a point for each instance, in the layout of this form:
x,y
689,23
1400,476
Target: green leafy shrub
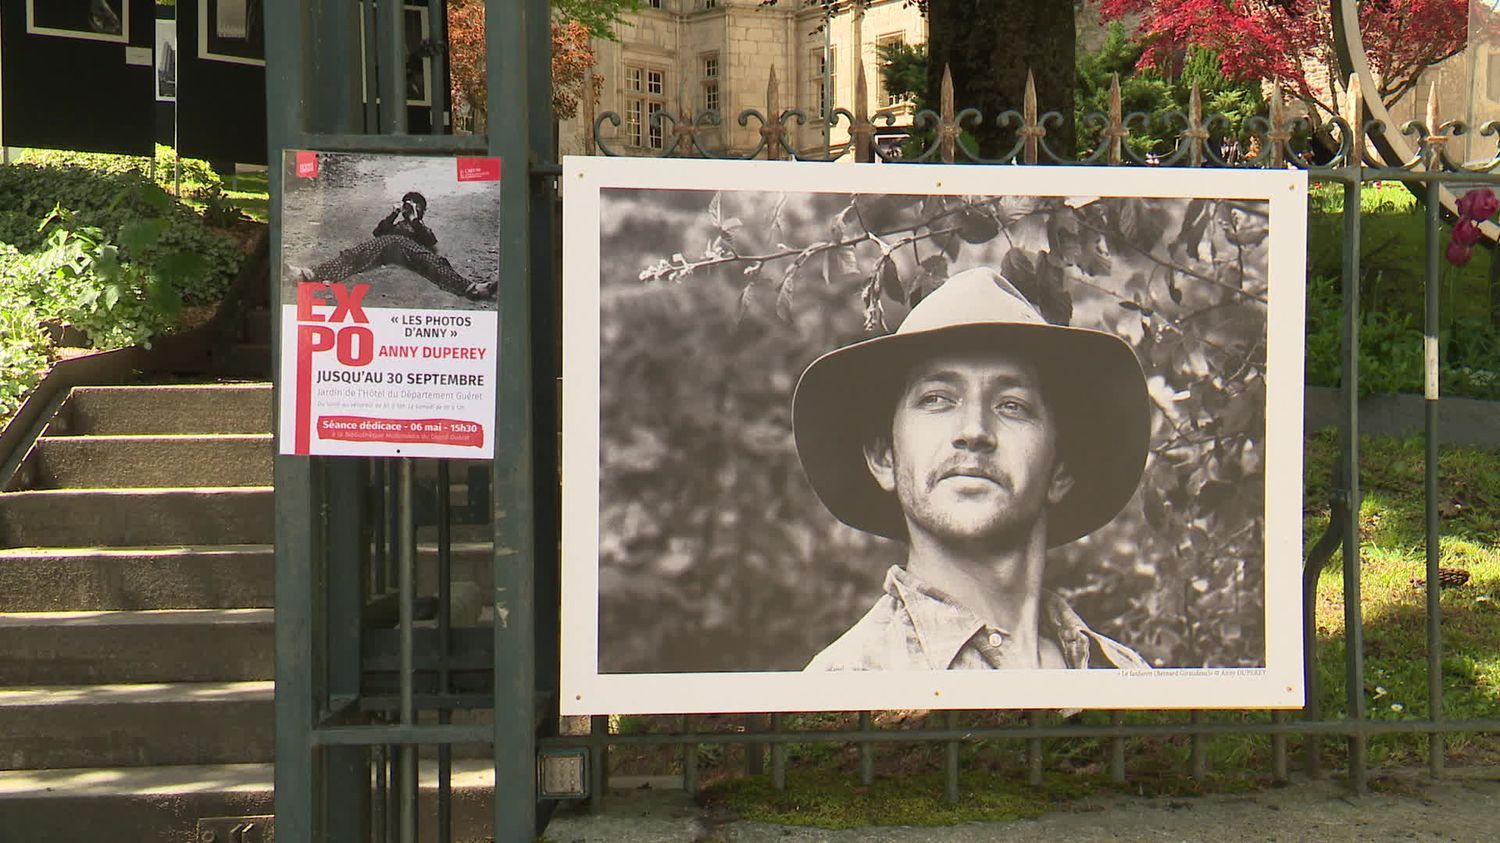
x,y
95,243
111,199
1390,348
219,210
191,173
23,344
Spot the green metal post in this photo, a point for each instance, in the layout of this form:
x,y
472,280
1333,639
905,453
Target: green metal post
x,y
296,493
334,96
512,58
1117,751
1354,663
346,791
1434,534
390,35
407,609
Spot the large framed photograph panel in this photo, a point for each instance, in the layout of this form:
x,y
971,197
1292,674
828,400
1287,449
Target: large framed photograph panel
x,y
704,572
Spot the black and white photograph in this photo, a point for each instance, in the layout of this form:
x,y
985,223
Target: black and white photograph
x,y
232,31
406,226
825,424
166,60
90,20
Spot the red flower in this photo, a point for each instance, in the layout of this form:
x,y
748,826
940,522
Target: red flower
x,y
1479,204
1459,254
1466,233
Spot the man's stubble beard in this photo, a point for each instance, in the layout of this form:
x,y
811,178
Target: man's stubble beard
x,y
1008,523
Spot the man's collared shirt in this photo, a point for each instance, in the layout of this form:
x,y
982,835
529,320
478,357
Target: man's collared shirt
x,y
915,626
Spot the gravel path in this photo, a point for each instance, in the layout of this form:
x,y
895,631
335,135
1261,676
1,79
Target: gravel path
x,y
1464,806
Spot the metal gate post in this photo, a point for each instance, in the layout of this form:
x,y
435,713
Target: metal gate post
x,y
296,493
517,63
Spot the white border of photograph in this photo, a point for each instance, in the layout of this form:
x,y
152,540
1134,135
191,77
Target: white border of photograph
x,y
587,691
203,51
122,38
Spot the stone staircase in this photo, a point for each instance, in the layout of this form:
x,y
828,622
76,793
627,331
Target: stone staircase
x,y
136,628
136,634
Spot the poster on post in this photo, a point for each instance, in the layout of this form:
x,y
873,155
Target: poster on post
x,y
389,330
858,437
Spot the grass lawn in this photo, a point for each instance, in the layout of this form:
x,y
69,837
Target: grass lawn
x,y
250,192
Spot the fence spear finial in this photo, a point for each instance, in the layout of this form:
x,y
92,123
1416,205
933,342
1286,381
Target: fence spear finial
x,y
1280,133
1116,129
947,123
1436,140
1354,115
863,131
1031,129
772,129
1196,134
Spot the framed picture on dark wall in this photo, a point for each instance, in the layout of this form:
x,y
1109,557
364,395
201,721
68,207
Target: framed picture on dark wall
x,y
89,20
418,63
166,60
232,31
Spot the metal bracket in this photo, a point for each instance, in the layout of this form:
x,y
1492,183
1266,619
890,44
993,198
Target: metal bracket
x,y
254,829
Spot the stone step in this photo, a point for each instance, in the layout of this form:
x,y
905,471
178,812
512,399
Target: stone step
x,y
161,645
51,727
165,803
175,408
139,461
137,517
56,579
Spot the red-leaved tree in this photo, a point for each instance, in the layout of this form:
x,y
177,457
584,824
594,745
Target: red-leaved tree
x,y
573,60
1292,40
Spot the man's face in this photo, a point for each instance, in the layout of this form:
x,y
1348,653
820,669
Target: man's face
x,y
972,451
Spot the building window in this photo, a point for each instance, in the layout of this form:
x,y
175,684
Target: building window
x,y
709,65
823,67
884,98
655,4
645,91
710,4
655,129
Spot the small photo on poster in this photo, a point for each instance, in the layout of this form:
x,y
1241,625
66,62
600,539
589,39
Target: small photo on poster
x,y
389,273
871,437
90,20
232,31
166,60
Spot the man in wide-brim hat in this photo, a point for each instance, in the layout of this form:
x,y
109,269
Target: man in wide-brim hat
x,y
981,436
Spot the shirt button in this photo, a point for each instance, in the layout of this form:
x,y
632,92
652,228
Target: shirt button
x,y
996,639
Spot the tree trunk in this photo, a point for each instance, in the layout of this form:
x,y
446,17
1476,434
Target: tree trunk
x,y
990,45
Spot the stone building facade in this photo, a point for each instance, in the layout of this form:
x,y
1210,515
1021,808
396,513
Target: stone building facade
x,y
683,57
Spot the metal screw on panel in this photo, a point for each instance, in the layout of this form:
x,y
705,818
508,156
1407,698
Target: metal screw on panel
x,y
208,837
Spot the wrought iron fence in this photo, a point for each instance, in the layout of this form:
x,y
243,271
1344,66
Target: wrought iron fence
x,y
1273,140
359,686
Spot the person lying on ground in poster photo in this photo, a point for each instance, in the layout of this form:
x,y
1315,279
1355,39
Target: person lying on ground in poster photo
x,y
979,435
400,239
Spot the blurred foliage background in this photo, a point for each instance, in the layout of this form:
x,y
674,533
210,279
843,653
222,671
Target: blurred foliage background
x,y
715,555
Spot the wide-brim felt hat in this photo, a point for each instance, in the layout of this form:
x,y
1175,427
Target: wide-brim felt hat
x,y
1091,381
